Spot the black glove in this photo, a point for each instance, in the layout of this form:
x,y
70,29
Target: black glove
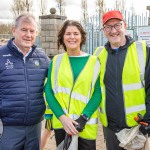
x,y
81,123
145,129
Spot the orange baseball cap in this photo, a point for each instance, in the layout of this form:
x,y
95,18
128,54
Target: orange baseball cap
x,y
112,15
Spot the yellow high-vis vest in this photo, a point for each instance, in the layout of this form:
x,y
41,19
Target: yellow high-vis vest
x,y
133,83
73,96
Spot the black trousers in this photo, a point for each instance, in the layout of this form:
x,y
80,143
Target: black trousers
x,y
83,144
112,143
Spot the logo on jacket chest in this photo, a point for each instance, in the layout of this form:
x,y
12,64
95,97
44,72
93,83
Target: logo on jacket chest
x,y
36,62
9,64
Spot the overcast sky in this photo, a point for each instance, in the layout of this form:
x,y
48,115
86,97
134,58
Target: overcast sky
x,y
73,10
5,9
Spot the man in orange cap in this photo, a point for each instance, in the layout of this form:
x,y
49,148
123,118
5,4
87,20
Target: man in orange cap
x,y
124,79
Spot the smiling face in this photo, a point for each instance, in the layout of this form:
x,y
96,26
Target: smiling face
x,y
25,34
116,36
72,38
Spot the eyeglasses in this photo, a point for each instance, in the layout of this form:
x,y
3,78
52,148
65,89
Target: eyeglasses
x,y
108,28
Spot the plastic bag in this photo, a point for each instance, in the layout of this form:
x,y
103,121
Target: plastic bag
x,y
73,145
147,143
131,139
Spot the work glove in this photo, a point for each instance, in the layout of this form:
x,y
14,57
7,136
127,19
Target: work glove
x,y
145,129
81,123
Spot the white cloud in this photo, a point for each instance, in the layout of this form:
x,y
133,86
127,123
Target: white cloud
x,y
5,10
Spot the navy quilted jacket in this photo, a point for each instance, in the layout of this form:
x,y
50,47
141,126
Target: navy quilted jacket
x,y
21,85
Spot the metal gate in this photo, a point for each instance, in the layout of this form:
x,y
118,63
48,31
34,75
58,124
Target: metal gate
x,y
95,36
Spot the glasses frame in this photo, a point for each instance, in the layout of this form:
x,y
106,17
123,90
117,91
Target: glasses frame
x,y
108,28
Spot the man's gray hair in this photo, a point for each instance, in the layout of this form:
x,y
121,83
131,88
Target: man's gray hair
x,y
25,17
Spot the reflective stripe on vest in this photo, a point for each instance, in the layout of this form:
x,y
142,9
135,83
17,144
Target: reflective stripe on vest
x,y
59,58
96,71
141,61
98,50
135,109
65,110
47,107
74,117
90,121
135,86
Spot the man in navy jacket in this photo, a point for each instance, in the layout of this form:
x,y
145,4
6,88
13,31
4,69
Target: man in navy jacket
x,y
23,69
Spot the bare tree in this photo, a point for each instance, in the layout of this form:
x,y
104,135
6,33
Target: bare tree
x,y
132,8
43,7
120,5
123,6
5,28
84,10
100,7
20,6
61,6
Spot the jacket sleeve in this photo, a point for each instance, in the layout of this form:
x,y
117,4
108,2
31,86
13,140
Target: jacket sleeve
x,y
147,87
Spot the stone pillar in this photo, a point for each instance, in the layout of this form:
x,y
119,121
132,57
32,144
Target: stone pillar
x,y
50,26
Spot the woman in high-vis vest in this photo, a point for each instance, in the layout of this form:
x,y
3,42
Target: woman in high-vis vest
x,y
72,89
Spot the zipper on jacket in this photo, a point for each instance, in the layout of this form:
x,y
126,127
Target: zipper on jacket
x,y
27,90
117,70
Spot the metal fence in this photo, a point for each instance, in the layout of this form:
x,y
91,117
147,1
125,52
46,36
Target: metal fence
x,y
95,36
